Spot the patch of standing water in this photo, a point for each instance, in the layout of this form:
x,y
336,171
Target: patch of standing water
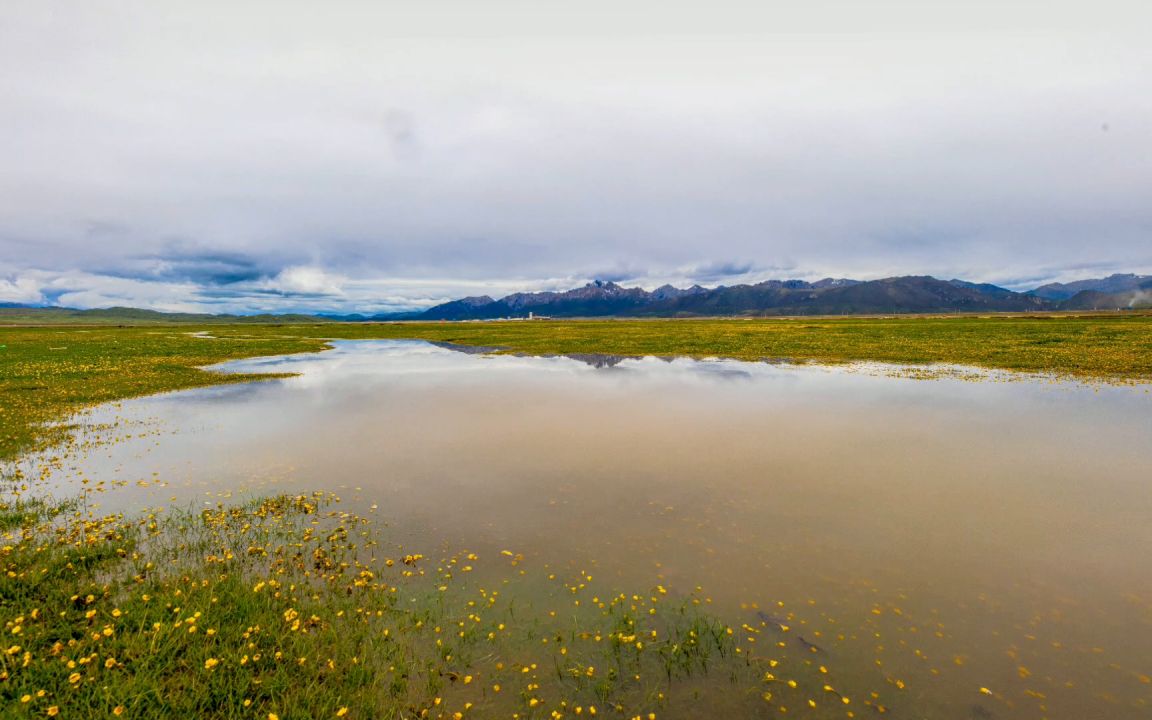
x,y
969,549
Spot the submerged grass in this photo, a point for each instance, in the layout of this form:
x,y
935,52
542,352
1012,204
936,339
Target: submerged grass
x,y
47,373
289,608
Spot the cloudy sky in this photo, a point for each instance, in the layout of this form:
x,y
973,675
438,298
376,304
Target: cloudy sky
x,y
248,156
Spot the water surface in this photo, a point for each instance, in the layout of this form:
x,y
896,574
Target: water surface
x,y
932,537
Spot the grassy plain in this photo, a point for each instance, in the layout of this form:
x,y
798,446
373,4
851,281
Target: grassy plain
x,y
46,373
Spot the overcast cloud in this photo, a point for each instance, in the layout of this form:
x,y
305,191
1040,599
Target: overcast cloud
x,y
343,156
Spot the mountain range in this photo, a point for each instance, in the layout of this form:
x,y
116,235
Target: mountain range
x,y
830,296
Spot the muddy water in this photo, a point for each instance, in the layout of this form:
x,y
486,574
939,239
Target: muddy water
x,y
975,549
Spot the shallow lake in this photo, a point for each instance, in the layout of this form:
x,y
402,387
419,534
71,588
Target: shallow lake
x,y
976,548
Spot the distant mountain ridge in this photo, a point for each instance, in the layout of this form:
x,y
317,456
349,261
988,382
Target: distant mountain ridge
x,y
830,296
1113,285
907,294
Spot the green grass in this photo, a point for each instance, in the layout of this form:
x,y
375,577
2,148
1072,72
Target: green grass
x,y
47,373
1099,346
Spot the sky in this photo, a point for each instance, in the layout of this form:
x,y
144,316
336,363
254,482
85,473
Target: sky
x,y
386,156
